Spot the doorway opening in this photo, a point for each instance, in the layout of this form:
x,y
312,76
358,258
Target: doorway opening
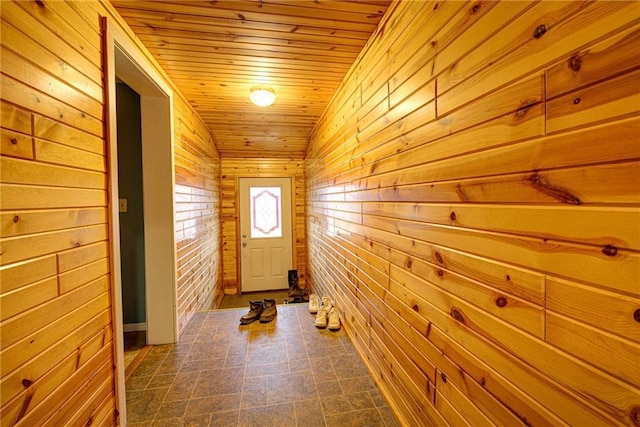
x,y
124,62
130,197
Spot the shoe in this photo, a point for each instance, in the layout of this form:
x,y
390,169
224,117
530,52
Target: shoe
x,y
314,303
326,303
255,310
269,312
334,319
321,318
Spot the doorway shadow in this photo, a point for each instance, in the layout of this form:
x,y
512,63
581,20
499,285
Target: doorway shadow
x,y
242,300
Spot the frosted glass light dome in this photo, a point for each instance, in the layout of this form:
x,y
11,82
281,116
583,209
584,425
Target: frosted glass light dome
x,y
262,96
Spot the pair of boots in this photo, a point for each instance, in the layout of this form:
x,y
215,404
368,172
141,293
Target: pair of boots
x,y
298,294
264,310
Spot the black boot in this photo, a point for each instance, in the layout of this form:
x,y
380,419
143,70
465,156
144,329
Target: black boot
x,y
293,283
293,279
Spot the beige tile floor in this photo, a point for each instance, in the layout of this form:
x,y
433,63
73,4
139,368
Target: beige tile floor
x,y
283,373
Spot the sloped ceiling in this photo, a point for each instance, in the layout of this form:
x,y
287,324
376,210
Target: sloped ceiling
x,y
215,51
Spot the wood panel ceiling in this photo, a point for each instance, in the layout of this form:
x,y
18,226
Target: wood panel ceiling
x,y
215,51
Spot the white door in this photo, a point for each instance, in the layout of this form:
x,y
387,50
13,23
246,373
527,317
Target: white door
x,y
265,233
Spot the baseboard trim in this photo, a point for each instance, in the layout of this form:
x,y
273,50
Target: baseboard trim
x,y
132,327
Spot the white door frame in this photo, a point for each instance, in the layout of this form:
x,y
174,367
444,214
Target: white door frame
x,y
123,59
294,259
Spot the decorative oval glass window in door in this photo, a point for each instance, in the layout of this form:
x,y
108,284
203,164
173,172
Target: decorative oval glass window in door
x,y
266,218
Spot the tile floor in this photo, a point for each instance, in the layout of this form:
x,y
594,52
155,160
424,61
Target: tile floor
x,y
283,373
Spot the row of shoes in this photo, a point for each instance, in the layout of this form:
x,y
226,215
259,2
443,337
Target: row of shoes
x,y
264,310
326,314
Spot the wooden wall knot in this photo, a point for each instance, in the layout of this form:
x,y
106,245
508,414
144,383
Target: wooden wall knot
x,y
539,31
374,166
453,216
542,185
444,377
14,141
610,250
440,273
416,308
524,107
16,219
501,302
475,9
636,315
576,101
438,257
456,314
40,3
575,62
25,406
634,414
27,382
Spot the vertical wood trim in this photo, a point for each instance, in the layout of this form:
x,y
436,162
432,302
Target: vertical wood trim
x,y
159,219
238,236
114,219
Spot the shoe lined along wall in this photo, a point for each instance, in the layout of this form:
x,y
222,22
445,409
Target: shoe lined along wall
x,y
472,209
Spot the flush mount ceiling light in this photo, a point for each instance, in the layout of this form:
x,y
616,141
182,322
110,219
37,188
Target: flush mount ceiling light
x,y
262,96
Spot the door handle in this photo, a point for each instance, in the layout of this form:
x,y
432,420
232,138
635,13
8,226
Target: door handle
x,y
244,244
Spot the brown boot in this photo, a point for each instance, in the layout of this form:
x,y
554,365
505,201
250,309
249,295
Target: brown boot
x,y
256,308
269,312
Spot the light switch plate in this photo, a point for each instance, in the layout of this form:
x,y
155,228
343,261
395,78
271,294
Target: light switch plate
x,y
123,205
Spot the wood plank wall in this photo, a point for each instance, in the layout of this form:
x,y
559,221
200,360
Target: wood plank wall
x,y
197,201
57,356
473,196
232,169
